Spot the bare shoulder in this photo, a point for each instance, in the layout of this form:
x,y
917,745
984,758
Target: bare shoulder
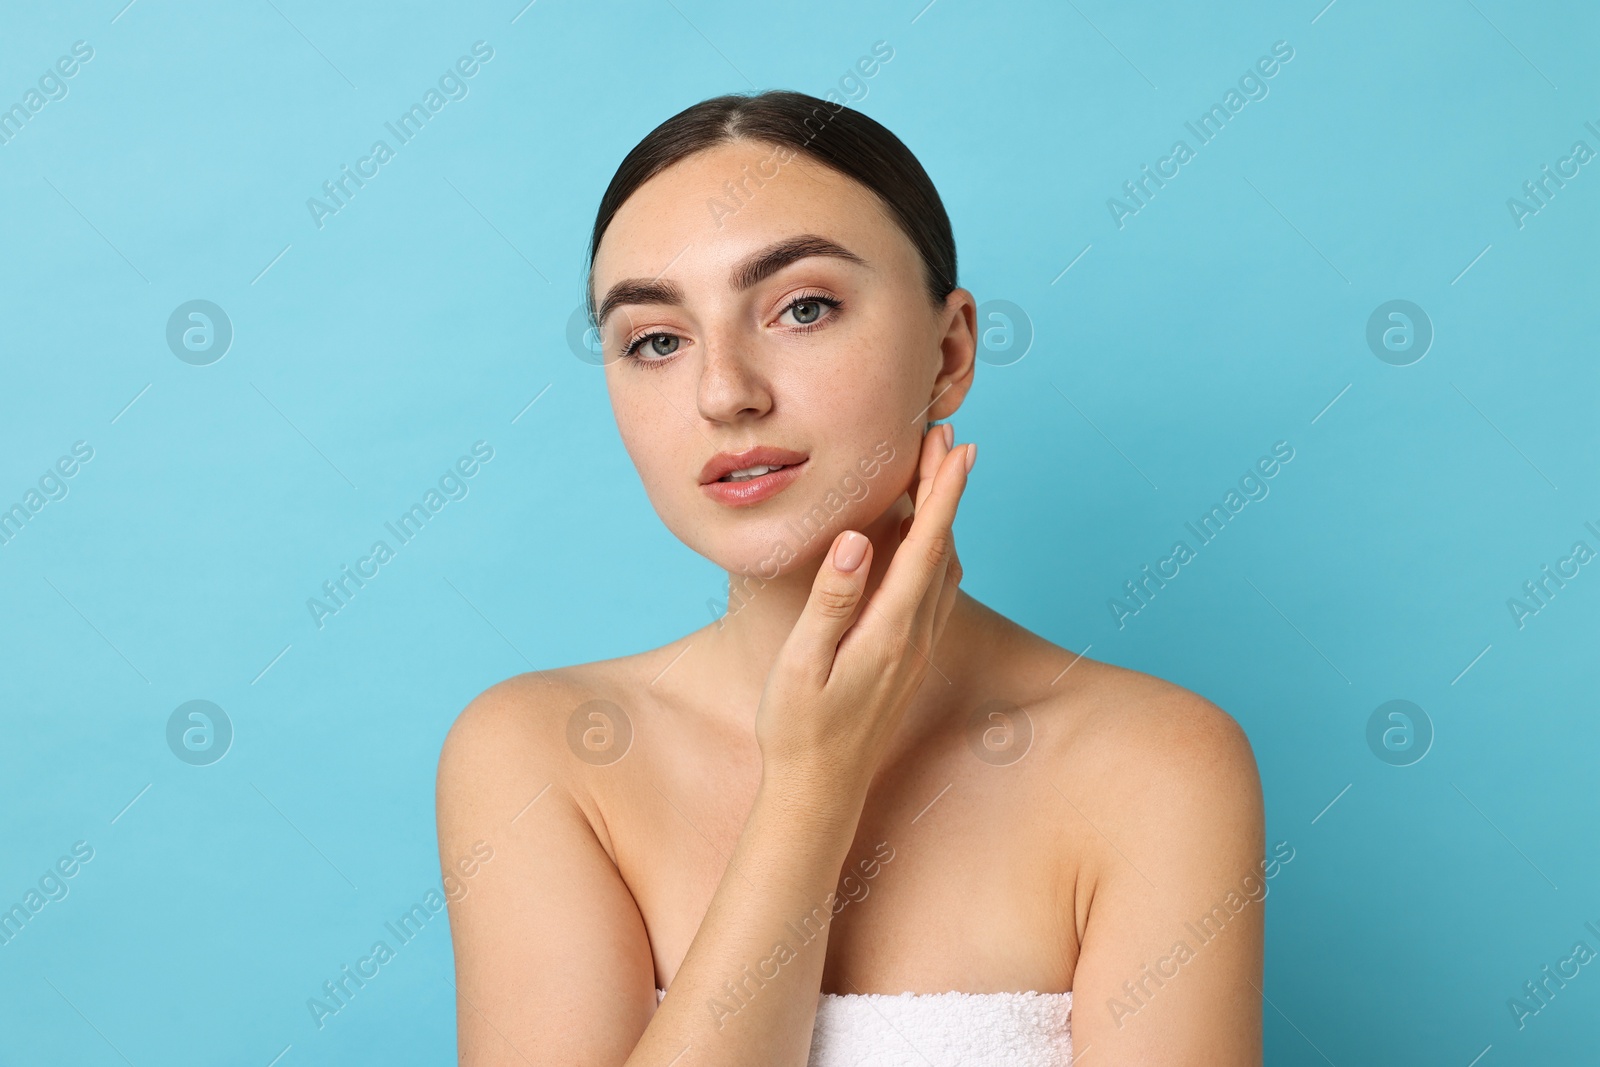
x,y
518,719
1108,723
1140,725
1163,772
1166,800
529,713
549,930
516,735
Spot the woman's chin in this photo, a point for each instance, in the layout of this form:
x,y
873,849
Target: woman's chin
x,y
771,549
771,559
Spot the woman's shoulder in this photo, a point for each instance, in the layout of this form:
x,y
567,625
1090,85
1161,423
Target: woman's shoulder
x,y
1099,711
1146,718
1156,767
1124,733
539,736
531,715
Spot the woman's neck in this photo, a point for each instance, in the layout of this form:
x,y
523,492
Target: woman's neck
x,y
730,659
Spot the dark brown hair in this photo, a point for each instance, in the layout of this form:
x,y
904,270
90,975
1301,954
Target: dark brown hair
x,y
834,135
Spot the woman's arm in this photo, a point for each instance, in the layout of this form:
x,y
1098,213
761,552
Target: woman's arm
x,y
1171,960
553,965
553,962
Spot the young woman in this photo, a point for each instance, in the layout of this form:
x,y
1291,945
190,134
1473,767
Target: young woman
x,y
862,817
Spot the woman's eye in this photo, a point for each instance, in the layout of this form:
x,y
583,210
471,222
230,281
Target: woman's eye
x,y
809,310
654,346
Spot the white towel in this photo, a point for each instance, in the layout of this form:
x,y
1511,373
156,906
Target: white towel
x,y
942,1029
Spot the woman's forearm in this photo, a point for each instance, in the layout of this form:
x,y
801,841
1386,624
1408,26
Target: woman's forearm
x,y
748,986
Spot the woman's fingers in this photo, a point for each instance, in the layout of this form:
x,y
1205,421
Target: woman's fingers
x,y
918,589
940,441
920,559
947,598
936,603
833,605
936,444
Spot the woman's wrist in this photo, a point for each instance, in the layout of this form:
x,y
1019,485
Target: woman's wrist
x,y
824,799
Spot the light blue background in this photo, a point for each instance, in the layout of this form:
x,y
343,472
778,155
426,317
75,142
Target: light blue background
x,y
1228,314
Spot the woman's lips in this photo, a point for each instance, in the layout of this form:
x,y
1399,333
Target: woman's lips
x,y
750,491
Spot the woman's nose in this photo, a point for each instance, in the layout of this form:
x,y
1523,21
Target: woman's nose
x,y
731,385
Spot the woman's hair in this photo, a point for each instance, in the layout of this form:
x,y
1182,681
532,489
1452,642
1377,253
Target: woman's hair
x,y
835,136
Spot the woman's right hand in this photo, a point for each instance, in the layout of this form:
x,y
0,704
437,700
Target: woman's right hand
x,y
846,673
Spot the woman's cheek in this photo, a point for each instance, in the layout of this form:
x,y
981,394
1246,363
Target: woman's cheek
x,y
903,467
667,477
876,477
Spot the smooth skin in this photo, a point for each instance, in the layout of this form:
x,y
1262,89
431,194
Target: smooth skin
x,y
819,739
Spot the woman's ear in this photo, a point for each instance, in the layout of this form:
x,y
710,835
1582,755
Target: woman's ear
x,y
958,351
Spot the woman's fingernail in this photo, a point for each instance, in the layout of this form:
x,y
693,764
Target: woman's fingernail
x,y
949,436
847,557
972,454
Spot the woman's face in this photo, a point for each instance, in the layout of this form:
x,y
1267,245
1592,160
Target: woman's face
x,y
751,298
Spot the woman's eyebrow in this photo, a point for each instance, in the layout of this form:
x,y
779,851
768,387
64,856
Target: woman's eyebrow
x,y
749,271
638,291
770,260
